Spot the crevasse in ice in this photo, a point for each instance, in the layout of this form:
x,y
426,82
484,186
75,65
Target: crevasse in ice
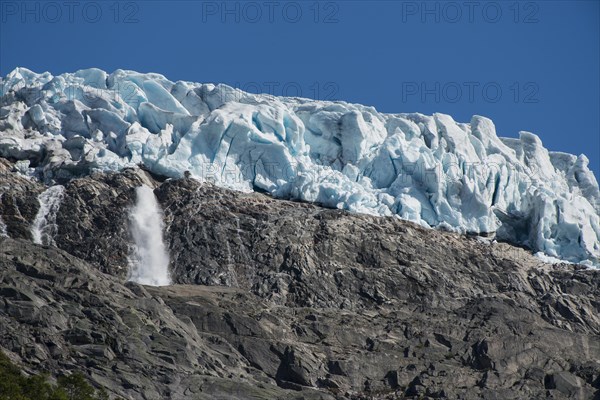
x,y
427,169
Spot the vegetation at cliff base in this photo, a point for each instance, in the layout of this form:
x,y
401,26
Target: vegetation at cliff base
x,y
16,386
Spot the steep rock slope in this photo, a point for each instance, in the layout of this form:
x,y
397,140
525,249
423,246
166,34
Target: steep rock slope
x,y
301,302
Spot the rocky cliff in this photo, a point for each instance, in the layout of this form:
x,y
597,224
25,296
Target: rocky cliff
x,y
286,300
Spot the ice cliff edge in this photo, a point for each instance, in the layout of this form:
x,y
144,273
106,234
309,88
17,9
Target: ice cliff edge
x,y
427,169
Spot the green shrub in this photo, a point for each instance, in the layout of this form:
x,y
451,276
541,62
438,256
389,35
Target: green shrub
x,y
15,386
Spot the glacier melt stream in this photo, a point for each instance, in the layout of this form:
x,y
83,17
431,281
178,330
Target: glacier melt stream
x,y
3,227
150,259
44,226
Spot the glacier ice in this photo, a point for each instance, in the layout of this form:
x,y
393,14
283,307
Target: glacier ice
x,y
427,169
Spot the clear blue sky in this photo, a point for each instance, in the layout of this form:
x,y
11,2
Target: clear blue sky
x,y
398,56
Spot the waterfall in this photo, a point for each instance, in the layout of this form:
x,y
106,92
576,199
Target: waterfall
x,y
3,229
3,232
44,225
150,261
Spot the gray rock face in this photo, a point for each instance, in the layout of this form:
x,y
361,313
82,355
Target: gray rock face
x,y
93,219
61,314
18,201
276,300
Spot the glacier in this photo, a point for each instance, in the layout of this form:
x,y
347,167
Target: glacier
x,y
427,169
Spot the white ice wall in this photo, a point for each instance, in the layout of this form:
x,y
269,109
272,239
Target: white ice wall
x,y
428,169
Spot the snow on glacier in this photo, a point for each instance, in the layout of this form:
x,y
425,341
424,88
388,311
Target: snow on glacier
x,y
427,169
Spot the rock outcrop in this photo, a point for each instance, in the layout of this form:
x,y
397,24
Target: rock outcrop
x,y
286,300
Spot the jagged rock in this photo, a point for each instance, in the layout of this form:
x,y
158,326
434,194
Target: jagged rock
x,y
18,200
566,383
278,300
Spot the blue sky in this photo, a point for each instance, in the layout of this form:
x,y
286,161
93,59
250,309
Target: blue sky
x,y
528,65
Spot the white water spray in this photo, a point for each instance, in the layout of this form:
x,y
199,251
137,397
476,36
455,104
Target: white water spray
x,y
3,228
150,260
44,225
3,232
